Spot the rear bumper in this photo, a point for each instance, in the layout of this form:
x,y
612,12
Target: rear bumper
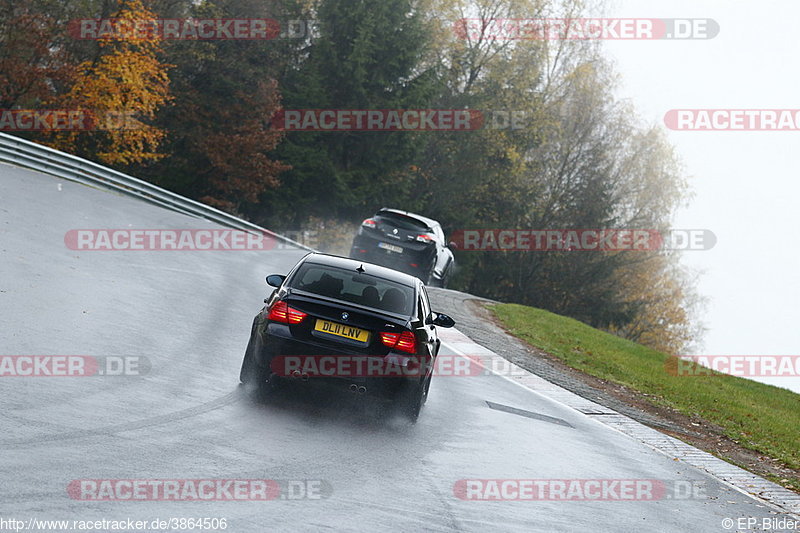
x,y
412,261
290,359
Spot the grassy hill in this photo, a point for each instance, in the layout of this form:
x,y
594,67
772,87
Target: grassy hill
x,y
756,416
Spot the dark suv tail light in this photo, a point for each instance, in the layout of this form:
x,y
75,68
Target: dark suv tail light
x,y
281,312
405,342
369,223
424,238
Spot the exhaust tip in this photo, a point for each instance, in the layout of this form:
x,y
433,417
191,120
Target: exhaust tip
x,y
296,374
353,387
362,390
304,377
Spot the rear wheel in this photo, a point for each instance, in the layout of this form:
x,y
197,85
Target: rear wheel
x,y
426,390
442,282
448,271
430,280
253,376
412,400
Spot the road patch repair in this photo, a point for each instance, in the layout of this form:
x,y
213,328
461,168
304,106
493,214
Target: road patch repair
x,y
529,414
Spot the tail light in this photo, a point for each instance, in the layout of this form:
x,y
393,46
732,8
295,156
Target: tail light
x,y
424,238
369,223
281,312
405,342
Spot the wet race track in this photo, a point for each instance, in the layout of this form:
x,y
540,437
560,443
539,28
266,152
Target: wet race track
x,y
327,460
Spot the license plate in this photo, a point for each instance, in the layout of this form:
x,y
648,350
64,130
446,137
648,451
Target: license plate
x,y
390,247
341,330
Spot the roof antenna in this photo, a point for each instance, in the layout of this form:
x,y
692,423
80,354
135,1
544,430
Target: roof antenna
x,y
360,269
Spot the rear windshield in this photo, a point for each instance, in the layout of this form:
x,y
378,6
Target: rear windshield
x,y
404,222
350,286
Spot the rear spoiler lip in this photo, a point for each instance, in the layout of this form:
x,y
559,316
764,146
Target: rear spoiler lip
x,y
399,215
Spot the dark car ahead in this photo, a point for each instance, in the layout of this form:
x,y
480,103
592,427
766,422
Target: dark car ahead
x,y
406,242
348,323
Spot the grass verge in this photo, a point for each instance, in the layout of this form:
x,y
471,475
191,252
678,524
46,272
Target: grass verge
x,y
756,416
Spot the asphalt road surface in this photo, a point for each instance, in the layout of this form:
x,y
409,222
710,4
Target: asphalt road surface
x,y
340,462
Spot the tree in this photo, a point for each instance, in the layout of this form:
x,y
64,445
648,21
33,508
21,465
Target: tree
x,y
33,63
581,162
225,93
233,179
127,80
366,56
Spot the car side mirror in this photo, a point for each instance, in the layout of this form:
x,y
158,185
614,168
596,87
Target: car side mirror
x,y
275,280
443,321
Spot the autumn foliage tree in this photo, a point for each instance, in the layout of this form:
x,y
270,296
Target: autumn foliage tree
x,y
665,302
219,124
234,180
122,88
33,65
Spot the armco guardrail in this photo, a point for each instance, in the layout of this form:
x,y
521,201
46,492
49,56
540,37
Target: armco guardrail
x,y
27,154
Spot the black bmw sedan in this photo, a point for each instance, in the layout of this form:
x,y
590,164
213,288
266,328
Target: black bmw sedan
x,y
353,324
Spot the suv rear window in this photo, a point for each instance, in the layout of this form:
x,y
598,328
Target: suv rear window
x,y
403,222
350,286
